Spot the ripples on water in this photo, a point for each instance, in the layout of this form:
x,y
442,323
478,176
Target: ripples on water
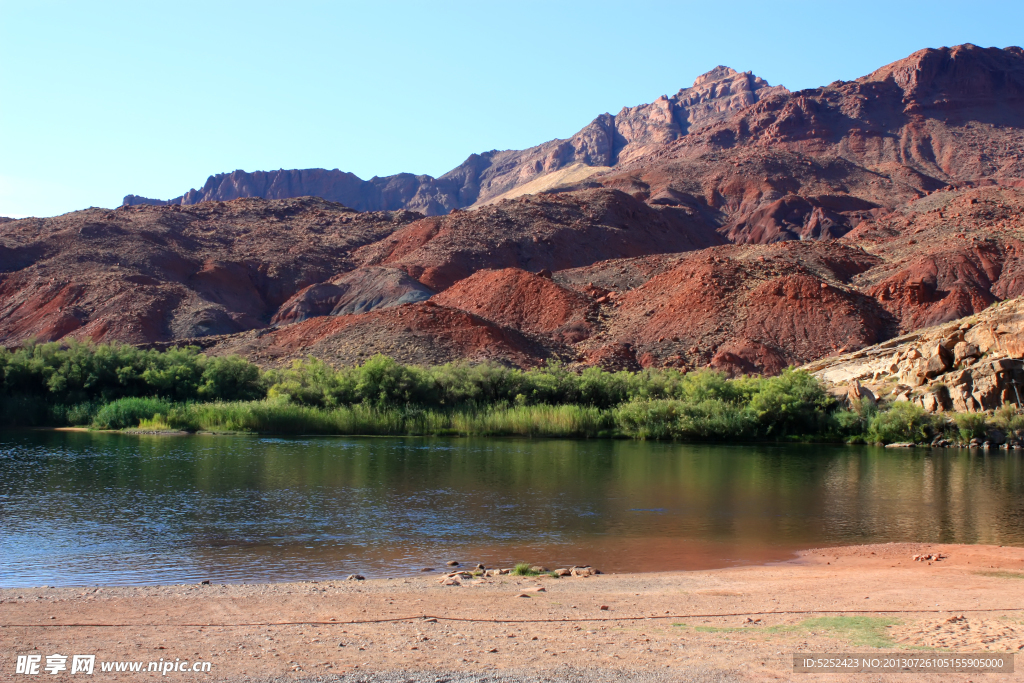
x,y
83,508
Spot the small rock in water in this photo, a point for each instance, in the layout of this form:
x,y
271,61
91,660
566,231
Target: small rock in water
x,y
204,582
427,569
355,577
479,566
452,563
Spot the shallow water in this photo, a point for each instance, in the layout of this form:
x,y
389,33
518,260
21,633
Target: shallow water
x,y
93,508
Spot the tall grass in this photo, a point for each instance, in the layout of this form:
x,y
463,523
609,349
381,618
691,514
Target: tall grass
x,y
286,418
542,420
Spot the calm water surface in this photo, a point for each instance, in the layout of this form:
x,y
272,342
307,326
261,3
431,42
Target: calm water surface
x,y
82,508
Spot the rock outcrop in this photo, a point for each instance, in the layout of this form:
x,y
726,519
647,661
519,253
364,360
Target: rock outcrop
x,y
967,365
817,161
743,310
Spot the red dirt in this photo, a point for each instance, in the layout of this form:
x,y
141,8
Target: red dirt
x,y
523,301
757,309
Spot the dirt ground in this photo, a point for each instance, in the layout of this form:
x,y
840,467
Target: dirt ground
x,y
740,624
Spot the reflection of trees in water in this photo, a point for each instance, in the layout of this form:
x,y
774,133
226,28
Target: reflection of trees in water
x,y
416,495
947,496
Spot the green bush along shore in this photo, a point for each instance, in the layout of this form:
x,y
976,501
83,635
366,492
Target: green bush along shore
x,y
118,387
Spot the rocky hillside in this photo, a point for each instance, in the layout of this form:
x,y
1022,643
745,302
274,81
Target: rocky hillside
x,y
145,273
734,225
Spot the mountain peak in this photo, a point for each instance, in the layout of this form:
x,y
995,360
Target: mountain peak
x,y
717,74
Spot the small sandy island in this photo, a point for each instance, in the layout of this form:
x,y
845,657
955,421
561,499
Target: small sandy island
x,y
742,624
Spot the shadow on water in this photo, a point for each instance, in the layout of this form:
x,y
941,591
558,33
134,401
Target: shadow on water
x,y
84,508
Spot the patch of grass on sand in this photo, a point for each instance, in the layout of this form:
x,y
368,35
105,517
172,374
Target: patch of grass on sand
x,y
1000,574
865,631
523,569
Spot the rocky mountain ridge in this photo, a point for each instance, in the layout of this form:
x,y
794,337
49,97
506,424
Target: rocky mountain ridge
x,y
605,142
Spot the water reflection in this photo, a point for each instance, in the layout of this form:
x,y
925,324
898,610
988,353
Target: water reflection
x,y
81,508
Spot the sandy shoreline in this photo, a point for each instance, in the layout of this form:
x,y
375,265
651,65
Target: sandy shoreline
x,y
742,623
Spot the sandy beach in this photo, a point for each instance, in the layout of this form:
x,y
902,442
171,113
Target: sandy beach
x,y
742,623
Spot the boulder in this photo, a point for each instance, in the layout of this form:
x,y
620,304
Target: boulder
x,y
963,350
963,401
937,400
951,341
939,362
856,393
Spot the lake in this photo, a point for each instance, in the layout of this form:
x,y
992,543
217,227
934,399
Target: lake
x,y
80,508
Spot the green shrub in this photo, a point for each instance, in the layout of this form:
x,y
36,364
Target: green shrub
x,y
1010,419
79,414
707,419
114,386
971,425
230,378
900,422
128,412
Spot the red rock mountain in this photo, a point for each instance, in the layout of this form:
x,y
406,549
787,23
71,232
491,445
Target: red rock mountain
x,y
733,224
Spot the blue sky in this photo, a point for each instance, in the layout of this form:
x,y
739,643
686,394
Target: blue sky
x,y
103,99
